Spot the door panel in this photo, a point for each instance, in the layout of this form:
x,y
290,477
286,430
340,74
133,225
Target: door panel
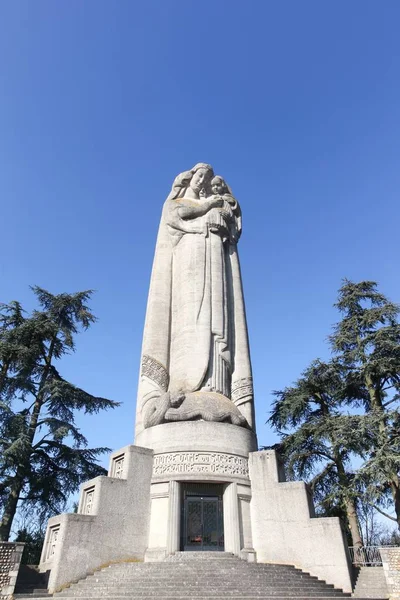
x,y
194,527
210,522
203,523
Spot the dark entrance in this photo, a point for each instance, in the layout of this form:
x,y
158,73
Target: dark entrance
x,y
202,517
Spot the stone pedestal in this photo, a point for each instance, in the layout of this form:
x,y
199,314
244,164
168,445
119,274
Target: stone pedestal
x,y
194,452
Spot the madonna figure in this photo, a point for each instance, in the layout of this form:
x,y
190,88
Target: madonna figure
x,y
195,355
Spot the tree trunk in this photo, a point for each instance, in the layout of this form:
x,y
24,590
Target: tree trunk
x,y
352,518
349,504
3,373
396,499
10,507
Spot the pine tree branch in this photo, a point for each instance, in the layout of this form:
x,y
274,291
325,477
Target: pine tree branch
x,y
390,402
40,442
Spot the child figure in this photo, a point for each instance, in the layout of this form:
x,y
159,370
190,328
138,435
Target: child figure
x,y
229,215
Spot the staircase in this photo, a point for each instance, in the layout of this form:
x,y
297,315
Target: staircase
x,y
199,576
371,583
30,582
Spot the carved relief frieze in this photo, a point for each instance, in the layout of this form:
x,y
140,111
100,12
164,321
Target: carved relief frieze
x,y
155,371
213,463
118,467
242,388
53,536
88,500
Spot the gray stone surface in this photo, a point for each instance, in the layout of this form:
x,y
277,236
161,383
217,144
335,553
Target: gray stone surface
x,y
201,575
112,522
195,355
371,583
391,568
284,527
198,436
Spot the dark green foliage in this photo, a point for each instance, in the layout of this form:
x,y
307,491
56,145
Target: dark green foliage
x,y
318,441
43,456
367,342
348,407
33,545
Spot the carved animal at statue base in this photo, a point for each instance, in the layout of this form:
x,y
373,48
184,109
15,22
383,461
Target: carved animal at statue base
x,y
202,405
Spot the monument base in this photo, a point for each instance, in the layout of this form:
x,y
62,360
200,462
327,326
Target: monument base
x,y
200,489
194,486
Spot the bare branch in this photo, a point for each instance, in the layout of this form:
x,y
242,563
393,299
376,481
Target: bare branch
x,y
382,512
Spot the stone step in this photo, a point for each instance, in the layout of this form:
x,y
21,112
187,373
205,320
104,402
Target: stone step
x,y
32,595
199,578
202,576
202,581
171,563
194,555
228,563
371,583
31,590
264,596
192,572
150,589
199,581
213,592
197,590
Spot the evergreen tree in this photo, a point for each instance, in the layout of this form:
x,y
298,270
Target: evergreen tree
x,y
318,442
367,344
33,541
43,455
349,407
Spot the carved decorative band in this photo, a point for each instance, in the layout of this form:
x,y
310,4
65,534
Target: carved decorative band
x,y
218,463
155,371
242,388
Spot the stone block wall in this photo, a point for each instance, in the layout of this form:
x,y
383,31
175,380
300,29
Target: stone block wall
x,y
285,529
111,524
10,560
391,567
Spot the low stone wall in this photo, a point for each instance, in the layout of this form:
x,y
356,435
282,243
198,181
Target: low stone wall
x,y
391,567
10,560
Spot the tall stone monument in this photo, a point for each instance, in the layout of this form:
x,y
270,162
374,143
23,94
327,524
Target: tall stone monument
x,y
194,479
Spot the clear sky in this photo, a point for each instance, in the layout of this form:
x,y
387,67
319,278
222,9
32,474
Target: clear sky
x,y
102,104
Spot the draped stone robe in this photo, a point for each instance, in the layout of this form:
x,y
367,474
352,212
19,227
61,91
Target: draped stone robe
x,y
195,337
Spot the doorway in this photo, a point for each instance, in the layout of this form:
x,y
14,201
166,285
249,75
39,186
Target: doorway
x,y
202,516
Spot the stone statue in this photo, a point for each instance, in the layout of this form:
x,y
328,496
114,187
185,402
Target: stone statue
x,y
195,355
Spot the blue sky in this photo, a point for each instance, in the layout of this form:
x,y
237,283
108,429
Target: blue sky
x,y
296,104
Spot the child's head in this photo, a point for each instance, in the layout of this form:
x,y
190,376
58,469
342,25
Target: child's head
x,y
218,185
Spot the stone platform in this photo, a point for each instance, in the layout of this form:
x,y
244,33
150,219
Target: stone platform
x,y
143,509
